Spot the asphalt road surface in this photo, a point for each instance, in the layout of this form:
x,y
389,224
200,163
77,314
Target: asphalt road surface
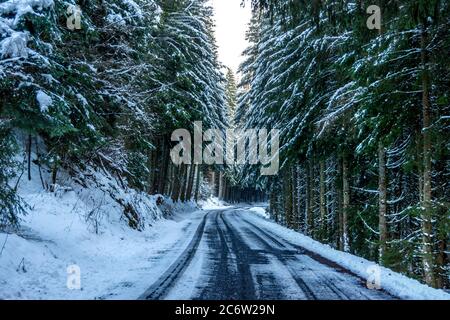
x,y
231,257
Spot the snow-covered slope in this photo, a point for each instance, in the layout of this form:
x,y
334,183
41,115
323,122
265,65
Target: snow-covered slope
x,y
77,227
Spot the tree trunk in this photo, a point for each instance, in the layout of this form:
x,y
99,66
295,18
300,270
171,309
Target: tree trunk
x,y
165,167
442,262
197,184
176,183
323,211
420,165
213,183
345,204
308,206
29,157
382,199
294,197
169,184
288,199
191,181
224,191
152,178
54,176
427,215
184,182
38,156
340,205
274,205
220,185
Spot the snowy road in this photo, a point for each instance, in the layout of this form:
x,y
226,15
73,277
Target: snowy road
x,y
234,255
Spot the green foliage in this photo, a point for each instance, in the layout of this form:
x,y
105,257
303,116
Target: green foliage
x,y
105,94
338,90
231,92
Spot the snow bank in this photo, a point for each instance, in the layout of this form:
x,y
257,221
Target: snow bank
x,y
86,228
116,263
213,203
393,282
261,212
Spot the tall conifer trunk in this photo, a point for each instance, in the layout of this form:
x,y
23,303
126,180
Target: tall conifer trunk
x,y
345,204
427,215
323,222
382,202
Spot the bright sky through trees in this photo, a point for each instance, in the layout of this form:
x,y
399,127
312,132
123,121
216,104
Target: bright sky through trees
x,y
231,25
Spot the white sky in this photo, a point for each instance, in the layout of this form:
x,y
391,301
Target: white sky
x,y
231,24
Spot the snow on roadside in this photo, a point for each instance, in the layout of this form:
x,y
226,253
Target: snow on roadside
x,y
193,275
213,203
260,211
85,227
118,264
393,282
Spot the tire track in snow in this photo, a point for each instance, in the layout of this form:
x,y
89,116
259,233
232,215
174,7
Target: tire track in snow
x,y
241,250
162,286
222,275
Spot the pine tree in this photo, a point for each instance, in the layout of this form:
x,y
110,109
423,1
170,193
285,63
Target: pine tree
x,y
366,103
231,93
